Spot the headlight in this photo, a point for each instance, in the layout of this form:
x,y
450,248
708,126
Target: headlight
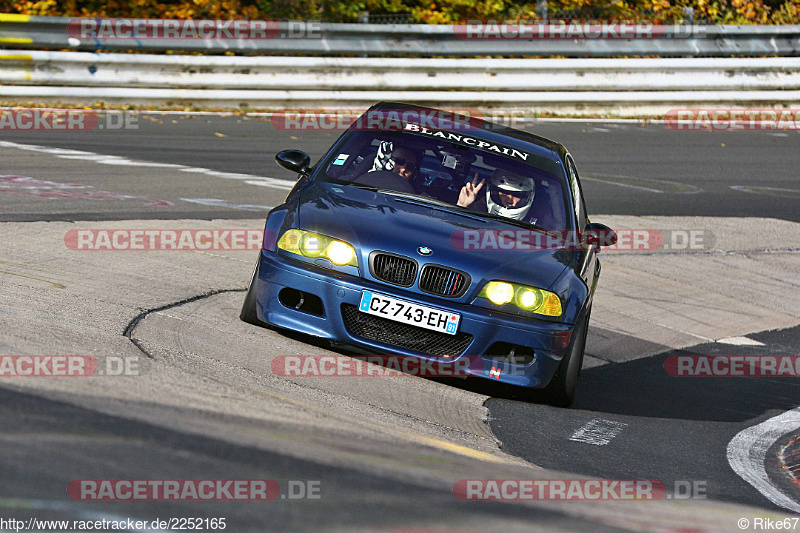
x,y
340,253
314,245
498,292
526,298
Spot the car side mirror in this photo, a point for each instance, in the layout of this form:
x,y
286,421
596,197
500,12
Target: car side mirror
x,y
294,160
596,234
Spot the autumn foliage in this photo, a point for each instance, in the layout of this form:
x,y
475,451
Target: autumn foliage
x,y
418,11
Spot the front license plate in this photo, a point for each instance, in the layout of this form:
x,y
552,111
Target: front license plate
x,y
409,313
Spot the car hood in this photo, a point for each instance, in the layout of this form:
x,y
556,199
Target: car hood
x,y
371,220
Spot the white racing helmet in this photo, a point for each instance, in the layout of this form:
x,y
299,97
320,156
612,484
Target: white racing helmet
x,y
518,186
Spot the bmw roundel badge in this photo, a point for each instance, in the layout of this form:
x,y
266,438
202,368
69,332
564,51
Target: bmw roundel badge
x,y
424,250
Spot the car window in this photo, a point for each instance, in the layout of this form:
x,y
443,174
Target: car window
x,y
439,169
577,197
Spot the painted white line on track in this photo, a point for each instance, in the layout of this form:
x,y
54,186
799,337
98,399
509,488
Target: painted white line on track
x,y
598,432
653,185
250,179
771,191
740,341
641,121
258,182
747,452
628,185
216,202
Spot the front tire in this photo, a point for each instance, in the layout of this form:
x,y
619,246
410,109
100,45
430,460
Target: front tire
x,y
561,390
249,313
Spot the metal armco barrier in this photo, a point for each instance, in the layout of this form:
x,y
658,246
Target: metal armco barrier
x,y
576,86
400,74
419,40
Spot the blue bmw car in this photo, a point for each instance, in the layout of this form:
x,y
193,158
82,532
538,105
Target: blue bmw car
x,y
425,234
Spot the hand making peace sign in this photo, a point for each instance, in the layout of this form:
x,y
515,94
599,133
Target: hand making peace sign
x,y
469,192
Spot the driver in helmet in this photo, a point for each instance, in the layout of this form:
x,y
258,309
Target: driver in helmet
x,y
508,195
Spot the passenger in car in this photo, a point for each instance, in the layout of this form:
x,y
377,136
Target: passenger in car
x,y
401,160
395,168
405,163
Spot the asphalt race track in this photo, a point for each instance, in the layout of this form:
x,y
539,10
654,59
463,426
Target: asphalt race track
x,y
199,397
627,169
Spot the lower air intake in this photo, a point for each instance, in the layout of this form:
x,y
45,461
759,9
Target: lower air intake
x,y
404,336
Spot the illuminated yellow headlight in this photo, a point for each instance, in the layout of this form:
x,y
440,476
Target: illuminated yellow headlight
x,y
340,253
313,245
526,298
499,292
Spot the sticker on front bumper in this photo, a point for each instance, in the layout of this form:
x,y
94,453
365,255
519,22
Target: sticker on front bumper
x,y
409,313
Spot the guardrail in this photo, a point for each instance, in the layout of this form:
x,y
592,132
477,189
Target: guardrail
x,y
575,86
421,40
263,78
401,74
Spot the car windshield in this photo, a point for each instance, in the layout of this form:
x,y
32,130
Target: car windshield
x,y
493,180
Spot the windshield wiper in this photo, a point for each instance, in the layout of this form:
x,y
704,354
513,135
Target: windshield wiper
x,y
362,186
439,205
521,224
455,209
405,195
420,197
399,194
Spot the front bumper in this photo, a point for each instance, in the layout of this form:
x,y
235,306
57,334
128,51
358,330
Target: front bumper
x,y
276,272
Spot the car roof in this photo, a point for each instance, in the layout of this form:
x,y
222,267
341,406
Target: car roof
x,y
490,131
